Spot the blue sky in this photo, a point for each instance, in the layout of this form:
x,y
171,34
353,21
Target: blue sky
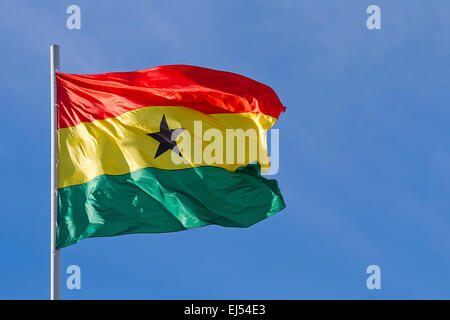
x,y
365,148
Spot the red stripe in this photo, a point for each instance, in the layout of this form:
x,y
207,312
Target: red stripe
x,y
85,98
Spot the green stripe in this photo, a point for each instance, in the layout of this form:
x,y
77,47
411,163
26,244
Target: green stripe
x,y
154,200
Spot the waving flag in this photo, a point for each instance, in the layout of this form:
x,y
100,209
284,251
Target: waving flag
x,y
160,150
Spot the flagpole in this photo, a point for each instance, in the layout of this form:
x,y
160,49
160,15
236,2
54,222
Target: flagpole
x,y
55,276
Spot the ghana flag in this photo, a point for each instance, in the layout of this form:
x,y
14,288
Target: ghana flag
x,y
161,150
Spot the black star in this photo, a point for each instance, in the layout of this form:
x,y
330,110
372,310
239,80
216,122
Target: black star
x,y
166,138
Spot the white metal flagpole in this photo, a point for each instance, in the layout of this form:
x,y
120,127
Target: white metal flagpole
x,y
55,276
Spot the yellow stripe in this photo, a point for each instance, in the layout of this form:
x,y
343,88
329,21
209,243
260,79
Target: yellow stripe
x,y
121,145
